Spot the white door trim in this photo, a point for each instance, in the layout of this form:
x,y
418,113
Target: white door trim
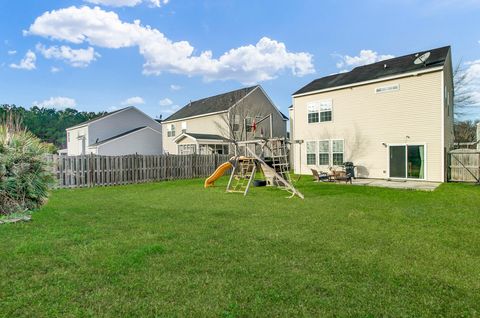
x,y
425,165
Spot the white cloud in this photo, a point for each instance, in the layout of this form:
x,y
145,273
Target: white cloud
x,y
365,57
55,69
128,3
165,102
27,63
57,102
12,52
76,58
174,87
133,101
248,64
170,109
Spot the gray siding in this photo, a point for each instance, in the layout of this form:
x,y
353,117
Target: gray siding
x,y
119,123
142,142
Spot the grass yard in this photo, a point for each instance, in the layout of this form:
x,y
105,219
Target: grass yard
x,y
176,249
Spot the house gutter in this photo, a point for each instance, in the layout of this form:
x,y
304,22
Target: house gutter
x,y
192,117
383,79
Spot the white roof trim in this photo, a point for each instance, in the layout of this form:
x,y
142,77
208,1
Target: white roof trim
x,y
238,101
181,136
112,114
133,132
192,117
185,135
415,73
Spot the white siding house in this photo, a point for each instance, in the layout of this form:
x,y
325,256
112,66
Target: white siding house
x,y
392,119
122,132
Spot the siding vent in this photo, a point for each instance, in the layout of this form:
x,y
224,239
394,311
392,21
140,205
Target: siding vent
x,y
386,89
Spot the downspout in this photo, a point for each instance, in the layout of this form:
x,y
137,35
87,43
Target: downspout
x,y
478,136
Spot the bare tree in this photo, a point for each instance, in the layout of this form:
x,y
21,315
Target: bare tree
x,y
236,125
463,97
465,131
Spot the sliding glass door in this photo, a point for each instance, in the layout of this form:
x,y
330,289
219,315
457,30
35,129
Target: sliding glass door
x,y
407,161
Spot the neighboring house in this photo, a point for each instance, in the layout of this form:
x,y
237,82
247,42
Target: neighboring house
x,y
204,126
392,119
122,132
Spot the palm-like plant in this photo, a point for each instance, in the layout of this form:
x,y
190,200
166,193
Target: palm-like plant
x,y
25,176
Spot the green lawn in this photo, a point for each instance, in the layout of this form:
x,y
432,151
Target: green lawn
x,y
176,249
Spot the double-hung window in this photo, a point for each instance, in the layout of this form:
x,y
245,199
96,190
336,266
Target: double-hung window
x,y
248,124
325,111
311,152
313,112
171,130
236,123
337,152
324,153
320,111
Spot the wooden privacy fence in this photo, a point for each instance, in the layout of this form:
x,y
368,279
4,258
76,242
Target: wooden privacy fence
x,y
93,170
464,165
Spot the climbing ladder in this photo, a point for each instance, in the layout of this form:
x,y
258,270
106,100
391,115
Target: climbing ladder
x,y
242,175
280,162
280,181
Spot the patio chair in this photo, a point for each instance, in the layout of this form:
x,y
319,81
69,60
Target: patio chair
x,y
316,176
341,176
319,176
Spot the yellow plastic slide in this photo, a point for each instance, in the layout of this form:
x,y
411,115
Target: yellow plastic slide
x,y
217,174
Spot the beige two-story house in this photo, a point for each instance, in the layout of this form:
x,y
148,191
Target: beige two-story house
x,y
209,125
392,119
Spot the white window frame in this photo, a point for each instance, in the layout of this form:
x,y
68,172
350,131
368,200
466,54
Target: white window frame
x,y
236,123
337,152
313,108
314,152
328,152
425,159
171,130
318,108
216,145
326,103
190,146
248,122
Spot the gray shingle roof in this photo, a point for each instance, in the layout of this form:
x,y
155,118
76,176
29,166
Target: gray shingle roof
x,y
205,136
117,136
395,66
211,104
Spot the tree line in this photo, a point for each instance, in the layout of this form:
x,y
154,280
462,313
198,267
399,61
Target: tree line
x,y
48,124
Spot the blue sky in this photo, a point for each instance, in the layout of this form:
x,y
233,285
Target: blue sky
x,y
158,54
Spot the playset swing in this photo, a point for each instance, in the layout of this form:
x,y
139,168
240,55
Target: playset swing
x,y
272,162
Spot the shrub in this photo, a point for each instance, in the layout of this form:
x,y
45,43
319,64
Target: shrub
x,y
25,176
